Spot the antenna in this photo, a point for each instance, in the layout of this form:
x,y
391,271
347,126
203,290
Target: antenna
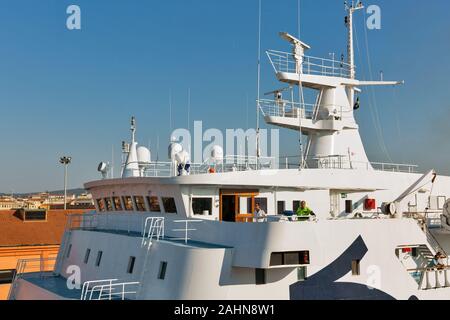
x,y
258,85
133,129
349,23
112,162
298,44
188,117
170,111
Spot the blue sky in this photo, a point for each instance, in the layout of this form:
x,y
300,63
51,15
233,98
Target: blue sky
x,y
72,92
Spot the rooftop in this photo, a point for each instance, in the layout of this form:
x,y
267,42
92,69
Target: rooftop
x,y
16,232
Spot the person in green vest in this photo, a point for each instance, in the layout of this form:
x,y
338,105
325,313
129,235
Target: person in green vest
x,y
304,211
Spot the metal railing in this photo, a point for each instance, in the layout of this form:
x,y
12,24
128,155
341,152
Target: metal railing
x,y
286,108
289,109
186,229
109,289
343,162
229,163
41,266
153,228
433,278
286,62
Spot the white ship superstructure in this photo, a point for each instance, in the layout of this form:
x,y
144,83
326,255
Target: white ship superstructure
x,y
181,230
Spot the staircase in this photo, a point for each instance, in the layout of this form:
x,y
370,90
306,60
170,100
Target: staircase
x,y
153,229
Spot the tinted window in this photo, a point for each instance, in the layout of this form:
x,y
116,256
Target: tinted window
x,y
100,205
117,203
108,204
169,205
281,207
128,203
153,204
202,204
295,205
140,204
289,258
262,203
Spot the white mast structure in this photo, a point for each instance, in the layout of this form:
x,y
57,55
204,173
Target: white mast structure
x,y
132,166
333,133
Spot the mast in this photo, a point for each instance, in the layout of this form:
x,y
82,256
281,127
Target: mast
x,y
258,86
349,23
350,49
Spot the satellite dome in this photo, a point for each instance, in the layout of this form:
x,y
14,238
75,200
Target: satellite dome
x,y
143,155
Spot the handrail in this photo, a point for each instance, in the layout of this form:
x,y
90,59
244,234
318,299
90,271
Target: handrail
x,y
155,229
286,62
106,286
185,230
87,284
23,266
109,290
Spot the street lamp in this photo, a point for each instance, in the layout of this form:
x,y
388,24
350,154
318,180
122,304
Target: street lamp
x,y
65,161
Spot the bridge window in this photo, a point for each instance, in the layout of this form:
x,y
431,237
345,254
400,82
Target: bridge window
x,y
100,205
200,205
289,258
262,204
117,204
153,204
128,203
281,207
169,205
295,205
131,262
108,203
139,202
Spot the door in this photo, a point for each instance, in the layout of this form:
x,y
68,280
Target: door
x,y
237,205
228,208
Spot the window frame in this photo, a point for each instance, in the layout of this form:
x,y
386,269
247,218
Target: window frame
x,y
164,199
140,206
108,204
125,203
150,203
202,198
117,207
101,205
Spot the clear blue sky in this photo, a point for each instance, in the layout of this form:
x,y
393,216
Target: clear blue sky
x,y
72,92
